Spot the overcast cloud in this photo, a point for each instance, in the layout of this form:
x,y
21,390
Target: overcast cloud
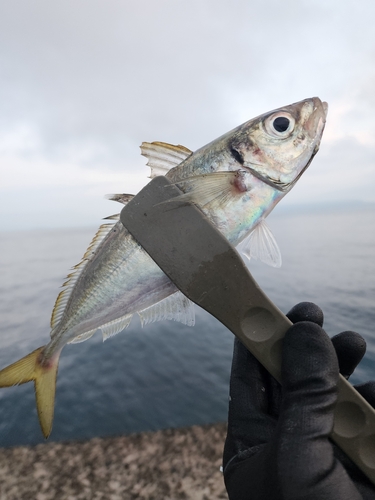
x,y
83,83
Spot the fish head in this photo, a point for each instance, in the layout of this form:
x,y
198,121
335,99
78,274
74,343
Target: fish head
x,y
278,146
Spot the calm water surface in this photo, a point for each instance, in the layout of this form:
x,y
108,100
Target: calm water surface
x,y
169,375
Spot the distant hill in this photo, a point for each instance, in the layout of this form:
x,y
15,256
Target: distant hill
x,y
333,206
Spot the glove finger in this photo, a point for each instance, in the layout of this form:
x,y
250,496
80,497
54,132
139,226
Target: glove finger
x,y
309,378
254,395
248,381
350,348
309,374
306,311
367,390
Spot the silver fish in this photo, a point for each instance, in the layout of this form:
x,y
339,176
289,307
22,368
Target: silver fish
x,y
236,181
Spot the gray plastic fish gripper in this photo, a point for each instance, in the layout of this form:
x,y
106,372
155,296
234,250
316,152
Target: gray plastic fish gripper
x,y
209,271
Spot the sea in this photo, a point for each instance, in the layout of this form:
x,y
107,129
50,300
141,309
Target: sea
x,y
166,374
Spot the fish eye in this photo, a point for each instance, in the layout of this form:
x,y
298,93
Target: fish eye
x,y
280,125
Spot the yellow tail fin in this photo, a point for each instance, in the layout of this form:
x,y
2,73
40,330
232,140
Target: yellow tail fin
x,y
44,377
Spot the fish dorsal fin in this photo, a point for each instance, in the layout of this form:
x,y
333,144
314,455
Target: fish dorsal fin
x,y
216,187
121,197
162,156
63,297
175,307
261,244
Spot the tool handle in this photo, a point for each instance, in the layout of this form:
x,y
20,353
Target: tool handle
x,y
262,330
209,271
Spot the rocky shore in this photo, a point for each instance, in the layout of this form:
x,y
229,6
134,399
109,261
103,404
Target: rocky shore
x,y
164,465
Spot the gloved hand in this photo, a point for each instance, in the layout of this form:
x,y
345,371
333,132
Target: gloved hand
x,y
277,445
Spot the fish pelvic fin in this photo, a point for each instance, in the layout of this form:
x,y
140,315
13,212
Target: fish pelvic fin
x,y
261,244
30,368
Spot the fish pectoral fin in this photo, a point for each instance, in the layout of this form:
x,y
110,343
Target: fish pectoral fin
x,y
175,307
217,187
162,156
261,244
44,376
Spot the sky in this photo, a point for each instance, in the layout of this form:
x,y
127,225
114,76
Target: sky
x,y
83,83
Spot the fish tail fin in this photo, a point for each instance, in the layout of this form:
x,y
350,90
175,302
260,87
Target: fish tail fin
x,y
44,376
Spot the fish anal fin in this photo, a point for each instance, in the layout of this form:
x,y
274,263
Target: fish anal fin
x,y
162,156
83,337
116,326
261,244
175,307
44,376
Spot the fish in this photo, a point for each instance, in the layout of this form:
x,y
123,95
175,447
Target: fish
x,y
235,180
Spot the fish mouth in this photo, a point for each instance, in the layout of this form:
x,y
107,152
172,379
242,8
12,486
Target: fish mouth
x,y
314,126
315,122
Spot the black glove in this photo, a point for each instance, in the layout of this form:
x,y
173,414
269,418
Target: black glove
x,y
277,445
